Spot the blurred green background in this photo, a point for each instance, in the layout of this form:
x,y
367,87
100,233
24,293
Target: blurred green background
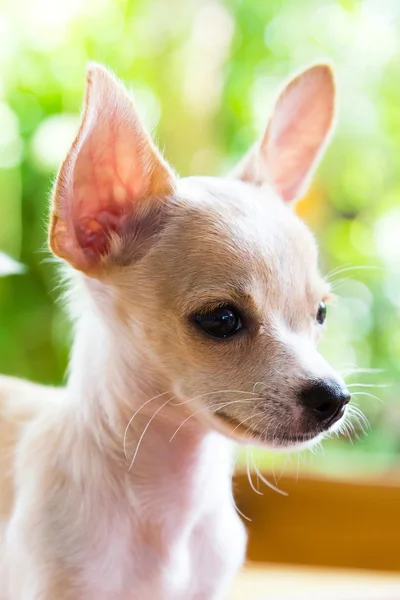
x,y
205,74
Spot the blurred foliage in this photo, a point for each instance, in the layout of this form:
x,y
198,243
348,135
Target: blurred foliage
x,y
205,74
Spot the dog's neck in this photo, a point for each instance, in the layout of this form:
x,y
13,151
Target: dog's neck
x,y
108,385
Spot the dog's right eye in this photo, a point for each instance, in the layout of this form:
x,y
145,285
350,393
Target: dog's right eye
x,y
321,314
222,322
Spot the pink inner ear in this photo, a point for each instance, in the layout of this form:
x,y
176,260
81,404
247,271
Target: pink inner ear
x,y
112,173
295,136
298,129
93,233
109,180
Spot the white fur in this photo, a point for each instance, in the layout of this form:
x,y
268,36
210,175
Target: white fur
x,y
192,508
120,486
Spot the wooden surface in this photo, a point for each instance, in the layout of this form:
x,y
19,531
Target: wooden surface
x,y
323,523
285,583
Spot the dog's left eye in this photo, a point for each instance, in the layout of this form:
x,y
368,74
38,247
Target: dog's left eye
x,y
321,314
220,323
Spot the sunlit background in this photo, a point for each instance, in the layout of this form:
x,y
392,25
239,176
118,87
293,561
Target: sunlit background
x,y
205,74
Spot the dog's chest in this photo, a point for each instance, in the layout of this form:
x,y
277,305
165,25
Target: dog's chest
x,y
186,561
182,541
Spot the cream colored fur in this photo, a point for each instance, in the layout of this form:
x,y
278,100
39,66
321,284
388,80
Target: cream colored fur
x,y
119,486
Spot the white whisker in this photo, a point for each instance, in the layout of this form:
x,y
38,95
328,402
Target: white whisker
x,y
215,406
337,271
353,430
347,269
268,483
144,431
355,411
349,372
335,285
368,394
253,487
347,432
211,394
236,506
240,512
259,414
134,415
369,385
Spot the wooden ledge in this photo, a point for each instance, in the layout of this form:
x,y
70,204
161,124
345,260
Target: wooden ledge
x,y
323,523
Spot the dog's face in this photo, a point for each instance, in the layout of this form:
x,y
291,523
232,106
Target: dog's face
x,y
219,275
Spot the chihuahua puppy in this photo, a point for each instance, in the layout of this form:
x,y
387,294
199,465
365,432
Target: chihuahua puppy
x,y
198,306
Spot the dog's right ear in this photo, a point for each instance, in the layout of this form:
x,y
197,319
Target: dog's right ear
x,y
111,181
295,137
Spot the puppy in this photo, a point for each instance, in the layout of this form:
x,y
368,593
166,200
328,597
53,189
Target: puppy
x,y
198,306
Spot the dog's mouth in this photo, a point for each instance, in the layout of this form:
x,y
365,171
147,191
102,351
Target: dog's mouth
x,y
236,429
237,426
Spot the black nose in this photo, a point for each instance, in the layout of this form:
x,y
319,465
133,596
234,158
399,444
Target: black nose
x,y
326,399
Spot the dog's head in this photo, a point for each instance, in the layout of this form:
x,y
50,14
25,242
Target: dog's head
x,y
217,277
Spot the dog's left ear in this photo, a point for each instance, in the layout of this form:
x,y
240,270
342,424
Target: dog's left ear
x,y
113,181
295,137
